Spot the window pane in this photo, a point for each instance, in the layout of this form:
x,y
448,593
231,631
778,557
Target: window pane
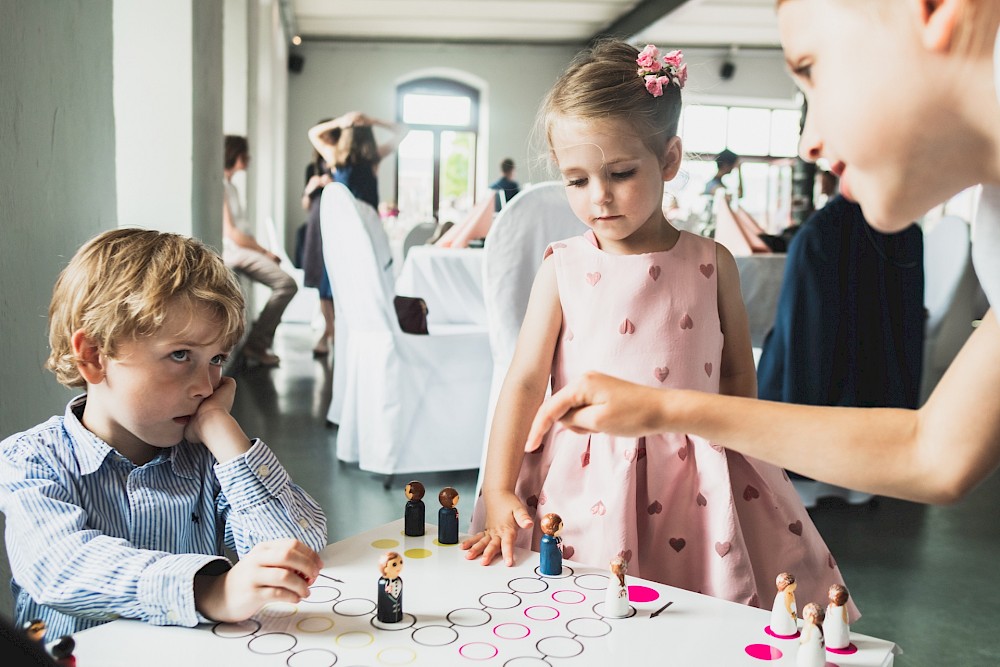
x,y
458,150
749,131
436,110
785,132
416,176
704,129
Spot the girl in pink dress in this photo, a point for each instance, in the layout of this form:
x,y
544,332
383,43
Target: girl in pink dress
x,y
638,299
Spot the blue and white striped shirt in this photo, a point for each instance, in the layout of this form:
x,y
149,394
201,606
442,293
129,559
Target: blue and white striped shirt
x,y
92,537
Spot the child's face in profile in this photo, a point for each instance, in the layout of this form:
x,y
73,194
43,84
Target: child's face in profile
x,y
150,390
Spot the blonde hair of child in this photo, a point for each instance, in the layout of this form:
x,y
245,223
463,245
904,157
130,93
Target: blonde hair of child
x,y
120,285
603,83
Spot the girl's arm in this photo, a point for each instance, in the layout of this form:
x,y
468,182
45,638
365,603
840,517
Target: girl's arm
x,y
399,132
935,454
738,377
520,396
318,134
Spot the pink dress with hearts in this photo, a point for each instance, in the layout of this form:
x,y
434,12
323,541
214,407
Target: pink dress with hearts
x,y
681,510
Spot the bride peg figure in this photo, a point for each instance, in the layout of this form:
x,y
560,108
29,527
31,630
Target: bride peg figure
x,y
616,596
836,628
811,652
783,616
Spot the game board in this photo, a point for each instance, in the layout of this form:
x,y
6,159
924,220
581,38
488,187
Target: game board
x,y
457,612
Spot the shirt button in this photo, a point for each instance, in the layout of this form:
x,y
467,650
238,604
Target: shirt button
x,y
263,471
172,616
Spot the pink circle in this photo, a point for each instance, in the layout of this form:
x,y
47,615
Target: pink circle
x,y
569,597
641,594
763,652
774,634
851,648
511,631
478,651
542,613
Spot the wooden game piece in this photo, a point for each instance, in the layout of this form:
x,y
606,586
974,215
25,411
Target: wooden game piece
x,y
811,652
616,595
413,517
550,548
836,628
62,651
448,516
783,611
390,588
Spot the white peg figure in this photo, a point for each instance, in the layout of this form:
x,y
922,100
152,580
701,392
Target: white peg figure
x,y
811,651
836,628
783,611
616,596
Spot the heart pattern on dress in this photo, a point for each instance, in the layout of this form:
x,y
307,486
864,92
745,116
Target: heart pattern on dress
x,y
707,270
593,278
700,501
654,272
750,493
567,551
556,246
677,543
682,453
569,336
796,528
708,369
542,498
687,322
598,509
585,459
630,455
661,373
626,555
830,561
626,327
641,453
722,548
532,501
654,508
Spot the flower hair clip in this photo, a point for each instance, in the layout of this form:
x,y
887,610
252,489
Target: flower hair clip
x,y
659,72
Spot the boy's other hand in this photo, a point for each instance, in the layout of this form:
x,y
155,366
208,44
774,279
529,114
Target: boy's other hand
x,y
276,571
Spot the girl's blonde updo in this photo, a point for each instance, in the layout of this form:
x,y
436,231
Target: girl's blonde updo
x,y
602,83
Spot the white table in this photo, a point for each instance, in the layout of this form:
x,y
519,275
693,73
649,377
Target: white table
x,y
457,612
450,280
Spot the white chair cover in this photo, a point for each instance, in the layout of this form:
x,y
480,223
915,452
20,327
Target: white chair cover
x,y
410,403
419,234
538,216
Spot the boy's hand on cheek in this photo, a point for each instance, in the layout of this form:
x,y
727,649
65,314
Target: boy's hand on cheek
x,y
277,571
213,425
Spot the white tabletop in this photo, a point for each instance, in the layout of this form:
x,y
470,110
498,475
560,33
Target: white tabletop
x,y
457,612
450,280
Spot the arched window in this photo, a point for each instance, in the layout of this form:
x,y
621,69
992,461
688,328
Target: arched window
x,y
437,160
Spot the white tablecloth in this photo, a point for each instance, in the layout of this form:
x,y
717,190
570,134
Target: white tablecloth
x,y
760,282
450,280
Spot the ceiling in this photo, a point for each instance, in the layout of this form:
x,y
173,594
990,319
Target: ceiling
x,y
667,23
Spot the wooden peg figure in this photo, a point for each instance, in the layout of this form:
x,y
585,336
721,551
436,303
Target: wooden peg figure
x,y
616,596
550,548
413,517
783,618
836,628
811,652
390,588
448,516
62,651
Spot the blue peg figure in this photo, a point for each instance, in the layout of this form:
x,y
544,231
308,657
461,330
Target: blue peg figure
x,y
413,517
448,516
390,588
551,546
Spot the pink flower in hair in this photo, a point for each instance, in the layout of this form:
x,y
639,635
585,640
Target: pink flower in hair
x,y
655,84
674,59
649,59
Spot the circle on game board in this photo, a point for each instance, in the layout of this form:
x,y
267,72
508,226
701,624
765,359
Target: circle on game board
x,y
567,571
277,610
588,627
402,624
511,631
355,639
323,594
354,607
499,600
559,647
541,612
272,643
315,624
469,617
599,610
385,543
768,630
478,651
527,661
592,582
568,597
642,594
435,635
418,553
442,544
527,585
236,630
397,655
763,652
851,648
312,657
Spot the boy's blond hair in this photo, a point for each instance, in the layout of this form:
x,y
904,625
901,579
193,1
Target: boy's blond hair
x,y
120,285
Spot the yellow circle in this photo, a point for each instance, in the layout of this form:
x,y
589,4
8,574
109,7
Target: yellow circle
x,y
315,624
441,544
355,639
385,544
396,655
418,553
